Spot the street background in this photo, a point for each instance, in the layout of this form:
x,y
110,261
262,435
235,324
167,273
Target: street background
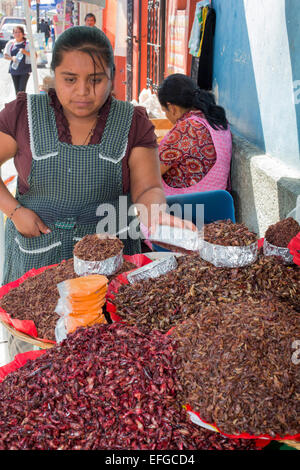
x,y
7,94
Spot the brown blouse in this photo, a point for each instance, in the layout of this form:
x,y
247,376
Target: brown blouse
x,y
14,122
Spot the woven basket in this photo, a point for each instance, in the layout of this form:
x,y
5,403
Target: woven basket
x,y
27,338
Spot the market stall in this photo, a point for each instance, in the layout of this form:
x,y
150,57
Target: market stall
x,y
186,349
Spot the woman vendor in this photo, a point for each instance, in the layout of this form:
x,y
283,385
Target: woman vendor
x,y
77,150
195,154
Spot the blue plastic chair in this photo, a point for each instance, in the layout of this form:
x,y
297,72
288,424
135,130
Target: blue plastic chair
x,y
218,205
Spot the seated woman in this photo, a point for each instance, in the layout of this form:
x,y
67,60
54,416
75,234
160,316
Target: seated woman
x,y
195,154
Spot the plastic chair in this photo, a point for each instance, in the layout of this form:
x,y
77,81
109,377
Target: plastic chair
x,y
217,205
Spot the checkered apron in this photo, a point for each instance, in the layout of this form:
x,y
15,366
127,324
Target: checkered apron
x,y
75,189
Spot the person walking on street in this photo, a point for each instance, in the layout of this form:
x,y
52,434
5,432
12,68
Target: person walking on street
x,y
17,51
47,33
45,28
90,20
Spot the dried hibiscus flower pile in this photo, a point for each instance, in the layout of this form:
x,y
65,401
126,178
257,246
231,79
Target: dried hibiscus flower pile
x,y
104,387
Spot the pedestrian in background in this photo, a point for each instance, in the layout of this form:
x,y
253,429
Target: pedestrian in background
x,y
90,20
45,28
47,33
52,35
17,51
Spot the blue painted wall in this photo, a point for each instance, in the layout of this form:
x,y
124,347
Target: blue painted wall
x,y
257,72
293,29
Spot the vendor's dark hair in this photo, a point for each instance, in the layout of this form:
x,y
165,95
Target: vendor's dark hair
x,y
181,90
92,41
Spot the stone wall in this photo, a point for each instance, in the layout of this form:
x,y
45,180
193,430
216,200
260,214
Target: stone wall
x,y
264,189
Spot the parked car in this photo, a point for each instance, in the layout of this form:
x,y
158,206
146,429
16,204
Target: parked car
x,y
6,27
12,19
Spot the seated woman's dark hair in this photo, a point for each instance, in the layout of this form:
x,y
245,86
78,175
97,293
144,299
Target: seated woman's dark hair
x,y
181,90
92,41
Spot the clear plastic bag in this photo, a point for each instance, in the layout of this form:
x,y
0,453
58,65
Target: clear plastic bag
x,y
80,303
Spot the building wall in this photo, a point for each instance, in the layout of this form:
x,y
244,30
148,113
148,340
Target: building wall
x,y
257,72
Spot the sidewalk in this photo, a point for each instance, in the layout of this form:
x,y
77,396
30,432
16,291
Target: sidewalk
x,y
8,169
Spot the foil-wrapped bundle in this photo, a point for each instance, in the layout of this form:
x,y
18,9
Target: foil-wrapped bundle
x,y
229,256
176,239
282,252
107,267
155,269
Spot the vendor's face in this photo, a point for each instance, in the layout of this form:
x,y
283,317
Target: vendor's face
x,y
81,87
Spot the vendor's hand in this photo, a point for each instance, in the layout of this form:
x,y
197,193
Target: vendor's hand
x,y
166,219
14,58
28,223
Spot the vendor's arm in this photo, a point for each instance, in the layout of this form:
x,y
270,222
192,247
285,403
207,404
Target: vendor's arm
x,y
147,191
26,221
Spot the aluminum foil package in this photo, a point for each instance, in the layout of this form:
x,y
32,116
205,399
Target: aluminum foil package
x,y
176,239
283,253
229,256
154,269
107,267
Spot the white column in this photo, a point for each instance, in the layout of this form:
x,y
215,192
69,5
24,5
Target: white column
x,y
31,47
